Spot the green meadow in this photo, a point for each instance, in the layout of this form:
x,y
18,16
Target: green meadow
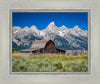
x,y
49,63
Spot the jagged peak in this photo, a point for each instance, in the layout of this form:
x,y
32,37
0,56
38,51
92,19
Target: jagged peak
x,y
76,27
26,27
51,26
51,23
63,26
17,27
33,27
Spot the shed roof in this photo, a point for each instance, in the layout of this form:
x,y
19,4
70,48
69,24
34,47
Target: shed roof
x,y
31,49
60,49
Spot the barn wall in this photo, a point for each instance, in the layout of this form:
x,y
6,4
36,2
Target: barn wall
x,y
36,52
25,53
60,51
50,48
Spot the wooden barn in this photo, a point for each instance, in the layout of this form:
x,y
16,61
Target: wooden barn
x,y
42,47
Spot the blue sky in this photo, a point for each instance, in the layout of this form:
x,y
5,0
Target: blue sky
x,y
42,19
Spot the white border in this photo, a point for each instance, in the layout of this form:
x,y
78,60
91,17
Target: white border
x,y
92,5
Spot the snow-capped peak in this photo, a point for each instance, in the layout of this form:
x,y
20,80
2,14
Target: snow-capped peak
x,y
63,26
76,27
33,28
51,27
26,27
52,23
17,28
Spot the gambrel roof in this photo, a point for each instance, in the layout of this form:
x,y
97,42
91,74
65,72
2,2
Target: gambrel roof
x,y
40,43
37,44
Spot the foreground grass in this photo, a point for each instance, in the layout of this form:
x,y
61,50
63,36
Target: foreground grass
x,y
53,57
49,63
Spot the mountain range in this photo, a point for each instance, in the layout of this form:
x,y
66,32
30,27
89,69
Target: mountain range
x,y
64,38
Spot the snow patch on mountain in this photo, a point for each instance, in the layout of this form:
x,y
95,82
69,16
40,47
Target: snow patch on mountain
x,y
75,37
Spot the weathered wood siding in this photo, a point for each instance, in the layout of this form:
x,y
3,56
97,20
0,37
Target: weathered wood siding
x,y
60,51
50,48
25,53
36,52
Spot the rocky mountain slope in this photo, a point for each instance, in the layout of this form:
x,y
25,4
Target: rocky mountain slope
x,y
64,38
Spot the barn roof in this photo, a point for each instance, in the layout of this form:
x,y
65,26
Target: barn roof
x,y
30,49
60,49
39,43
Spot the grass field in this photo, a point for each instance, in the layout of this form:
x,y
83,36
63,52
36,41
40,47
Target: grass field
x,y
49,63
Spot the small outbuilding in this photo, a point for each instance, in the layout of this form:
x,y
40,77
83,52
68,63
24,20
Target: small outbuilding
x,y
41,47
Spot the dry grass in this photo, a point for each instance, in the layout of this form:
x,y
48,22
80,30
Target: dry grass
x,y
54,57
47,55
13,54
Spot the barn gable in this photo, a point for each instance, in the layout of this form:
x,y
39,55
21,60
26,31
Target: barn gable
x,y
50,47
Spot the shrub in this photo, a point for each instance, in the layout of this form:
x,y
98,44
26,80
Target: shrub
x,y
33,65
75,53
50,68
26,64
58,64
76,66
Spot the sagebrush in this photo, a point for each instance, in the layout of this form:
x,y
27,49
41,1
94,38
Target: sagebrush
x,y
26,64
